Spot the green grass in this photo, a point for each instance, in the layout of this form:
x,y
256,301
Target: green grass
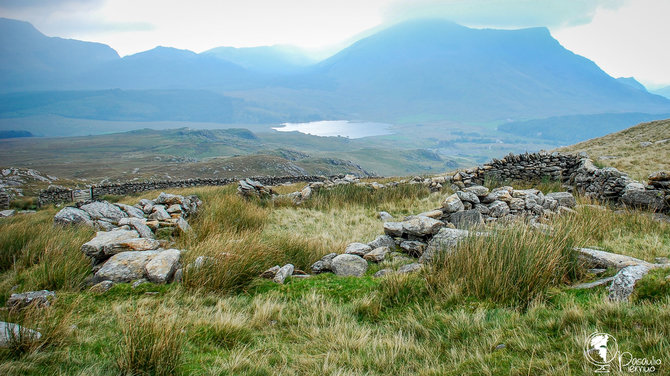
x,y
505,289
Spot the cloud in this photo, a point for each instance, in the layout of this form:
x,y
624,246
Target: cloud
x,y
503,13
49,5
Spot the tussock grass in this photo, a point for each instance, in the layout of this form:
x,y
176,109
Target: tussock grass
x,y
151,342
351,194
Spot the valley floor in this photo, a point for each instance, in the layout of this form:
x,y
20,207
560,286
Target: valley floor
x,y
230,322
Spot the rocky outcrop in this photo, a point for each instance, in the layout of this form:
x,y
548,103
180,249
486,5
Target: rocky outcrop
x,y
624,282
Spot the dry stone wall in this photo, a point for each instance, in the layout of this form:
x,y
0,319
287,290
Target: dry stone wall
x,y
55,195
4,200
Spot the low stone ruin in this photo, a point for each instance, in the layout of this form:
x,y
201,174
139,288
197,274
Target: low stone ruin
x,y
126,249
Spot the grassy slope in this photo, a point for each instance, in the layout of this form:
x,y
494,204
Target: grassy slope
x,y
225,321
624,151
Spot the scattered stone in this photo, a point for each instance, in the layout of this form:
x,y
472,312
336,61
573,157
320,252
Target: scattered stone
x,y
383,272
139,282
161,268
178,275
324,265
358,249
349,265
12,333
377,254
624,282
283,272
270,273
500,346
40,299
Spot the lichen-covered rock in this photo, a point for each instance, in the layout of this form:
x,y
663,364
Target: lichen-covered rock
x,y
139,225
182,225
384,216
498,209
346,265
421,226
452,204
478,190
413,247
624,282
651,199
159,213
162,266
358,249
169,199
410,268
102,287
131,210
563,198
72,216
466,196
383,272
393,229
41,298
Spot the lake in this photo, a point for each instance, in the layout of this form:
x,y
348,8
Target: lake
x,y
334,128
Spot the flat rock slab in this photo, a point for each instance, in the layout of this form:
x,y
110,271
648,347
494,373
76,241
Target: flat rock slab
x,y
563,198
358,249
590,285
444,241
283,272
125,266
382,241
601,259
349,265
95,247
466,219
377,254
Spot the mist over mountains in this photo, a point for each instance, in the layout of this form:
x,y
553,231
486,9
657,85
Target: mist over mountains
x,y
424,70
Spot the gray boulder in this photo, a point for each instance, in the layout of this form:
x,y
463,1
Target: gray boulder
x,y
7,213
349,265
382,241
102,287
563,198
14,333
283,272
169,199
324,265
444,241
467,218
159,213
452,204
41,298
383,272
595,258
125,266
358,249
72,216
161,268
651,199
624,282
183,226
139,225
394,229
104,210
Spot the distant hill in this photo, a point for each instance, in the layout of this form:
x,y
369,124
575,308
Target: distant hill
x,y
31,60
632,82
264,59
638,150
665,91
575,128
422,70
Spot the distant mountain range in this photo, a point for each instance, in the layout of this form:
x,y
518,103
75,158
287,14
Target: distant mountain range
x,y
422,70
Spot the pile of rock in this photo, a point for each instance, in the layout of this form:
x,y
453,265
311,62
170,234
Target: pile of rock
x,y
146,217
279,274
127,249
252,188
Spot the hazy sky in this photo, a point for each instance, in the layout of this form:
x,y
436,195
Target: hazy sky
x,y
624,37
